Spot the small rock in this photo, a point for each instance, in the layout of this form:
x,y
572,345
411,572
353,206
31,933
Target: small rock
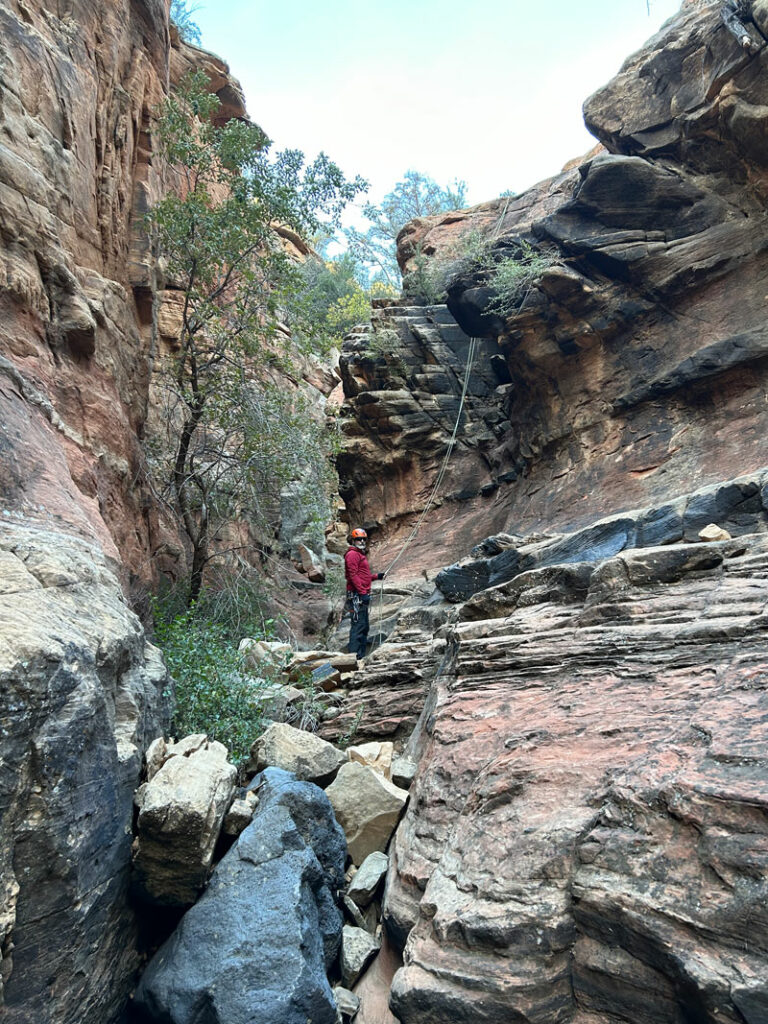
x,y
181,812
367,806
377,755
713,532
358,948
261,654
157,754
364,886
238,816
311,564
347,1002
355,915
294,750
403,772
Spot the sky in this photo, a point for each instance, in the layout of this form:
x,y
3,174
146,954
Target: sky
x,y
489,93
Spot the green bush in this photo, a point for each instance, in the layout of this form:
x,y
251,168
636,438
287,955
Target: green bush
x,y
512,276
213,694
509,275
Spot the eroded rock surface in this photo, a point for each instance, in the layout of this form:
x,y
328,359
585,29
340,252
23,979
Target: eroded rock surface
x,y
587,828
81,696
634,368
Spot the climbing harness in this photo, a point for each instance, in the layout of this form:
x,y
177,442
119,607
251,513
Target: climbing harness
x,y
353,606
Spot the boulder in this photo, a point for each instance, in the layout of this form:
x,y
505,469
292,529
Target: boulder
x,y
403,771
294,750
155,757
368,878
368,920
261,655
81,699
257,945
367,807
377,755
358,948
311,564
181,812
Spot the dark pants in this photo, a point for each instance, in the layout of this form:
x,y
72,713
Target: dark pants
x,y
358,631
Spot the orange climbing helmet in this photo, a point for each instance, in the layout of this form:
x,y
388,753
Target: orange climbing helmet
x,y
358,535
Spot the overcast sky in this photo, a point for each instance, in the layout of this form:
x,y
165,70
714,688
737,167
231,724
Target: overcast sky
x,y
488,92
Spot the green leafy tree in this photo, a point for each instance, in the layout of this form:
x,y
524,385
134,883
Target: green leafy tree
x,y
230,435
332,297
417,195
181,16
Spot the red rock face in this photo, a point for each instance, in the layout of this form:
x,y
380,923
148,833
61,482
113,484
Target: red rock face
x,y
586,835
635,367
587,830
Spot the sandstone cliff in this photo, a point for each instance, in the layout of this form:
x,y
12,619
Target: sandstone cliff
x,y
583,688
586,835
634,369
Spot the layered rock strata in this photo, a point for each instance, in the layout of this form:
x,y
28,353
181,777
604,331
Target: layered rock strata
x,y
634,366
587,829
403,381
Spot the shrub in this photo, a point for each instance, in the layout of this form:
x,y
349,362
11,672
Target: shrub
x,y
509,275
512,276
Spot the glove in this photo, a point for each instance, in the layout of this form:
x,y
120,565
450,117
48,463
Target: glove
x,y
380,576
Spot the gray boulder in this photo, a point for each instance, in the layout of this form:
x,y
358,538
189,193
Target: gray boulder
x,y
257,945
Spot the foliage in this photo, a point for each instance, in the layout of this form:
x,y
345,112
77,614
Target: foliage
x,y
331,298
236,598
512,277
509,272
308,713
231,437
349,734
427,280
417,195
213,694
181,16
383,344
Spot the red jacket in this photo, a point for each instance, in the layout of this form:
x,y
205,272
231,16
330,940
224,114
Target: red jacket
x,y
358,572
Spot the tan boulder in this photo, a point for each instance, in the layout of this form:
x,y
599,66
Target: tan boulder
x,y
367,881
240,814
261,655
181,811
377,755
367,806
347,1002
311,564
156,756
297,751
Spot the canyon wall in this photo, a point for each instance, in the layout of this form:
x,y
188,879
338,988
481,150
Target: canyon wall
x,y
586,835
635,367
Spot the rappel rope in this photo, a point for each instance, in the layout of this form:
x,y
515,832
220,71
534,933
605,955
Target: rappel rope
x,y
471,351
470,359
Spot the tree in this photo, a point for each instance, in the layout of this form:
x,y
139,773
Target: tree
x,y
417,195
181,16
229,435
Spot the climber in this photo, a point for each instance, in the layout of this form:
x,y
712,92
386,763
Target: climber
x,y
359,577
735,15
